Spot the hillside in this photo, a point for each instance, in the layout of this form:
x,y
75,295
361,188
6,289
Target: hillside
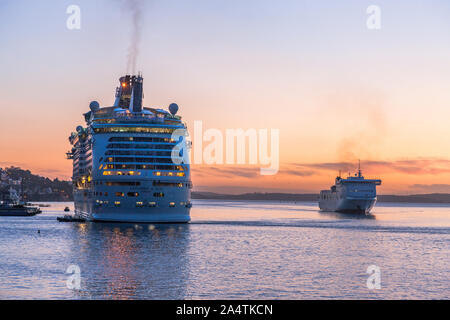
x,y
35,187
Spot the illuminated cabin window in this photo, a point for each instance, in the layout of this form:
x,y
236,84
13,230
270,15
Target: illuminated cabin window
x,y
134,159
168,174
158,194
123,183
139,204
134,130
138,153
104,120
139,146
167,184
172,204
121,173
120,194
117,203
141,139
133,194
152,204
140,167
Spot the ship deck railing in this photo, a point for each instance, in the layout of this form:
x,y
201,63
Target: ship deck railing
x,y
132,118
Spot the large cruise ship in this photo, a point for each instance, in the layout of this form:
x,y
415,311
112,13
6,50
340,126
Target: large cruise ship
x,y
352,195
128,161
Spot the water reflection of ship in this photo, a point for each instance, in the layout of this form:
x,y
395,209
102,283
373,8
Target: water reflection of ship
x,y
126,261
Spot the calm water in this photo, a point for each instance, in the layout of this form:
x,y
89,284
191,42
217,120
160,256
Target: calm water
x,y
231,250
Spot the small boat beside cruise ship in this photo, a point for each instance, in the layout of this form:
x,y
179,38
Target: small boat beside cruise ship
x,y
12,206
355,194
18,210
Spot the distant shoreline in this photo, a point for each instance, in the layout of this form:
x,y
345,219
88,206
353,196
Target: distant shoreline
x,y
41,189
437,198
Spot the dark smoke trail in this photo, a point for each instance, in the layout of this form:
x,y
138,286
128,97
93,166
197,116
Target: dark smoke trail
x,y
134,8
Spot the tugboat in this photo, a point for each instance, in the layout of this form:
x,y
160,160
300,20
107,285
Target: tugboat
x,y
352,195
10,205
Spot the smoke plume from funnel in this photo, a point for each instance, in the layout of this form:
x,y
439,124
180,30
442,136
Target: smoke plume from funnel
x,y
134,9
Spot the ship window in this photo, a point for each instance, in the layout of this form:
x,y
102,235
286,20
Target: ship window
x,y
106,194
152,204
170,174
172,204
167,184
123,183
120,194
139,204
133,129
117,203
158,194
133,194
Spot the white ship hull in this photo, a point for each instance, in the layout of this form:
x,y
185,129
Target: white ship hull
x,y
87,208
171,215
348,205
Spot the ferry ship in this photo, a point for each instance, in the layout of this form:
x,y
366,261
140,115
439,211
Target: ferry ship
x,y
12,205
352,195
129,161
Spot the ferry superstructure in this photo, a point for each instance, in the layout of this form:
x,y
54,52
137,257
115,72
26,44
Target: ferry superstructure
x,y
129,161
352,195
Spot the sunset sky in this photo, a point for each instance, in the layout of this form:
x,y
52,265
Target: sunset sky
x,y
337,91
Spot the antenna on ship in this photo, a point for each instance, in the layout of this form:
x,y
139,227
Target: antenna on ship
x,y
359,168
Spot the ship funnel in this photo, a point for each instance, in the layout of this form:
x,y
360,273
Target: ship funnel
x,y
136,95
130,93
